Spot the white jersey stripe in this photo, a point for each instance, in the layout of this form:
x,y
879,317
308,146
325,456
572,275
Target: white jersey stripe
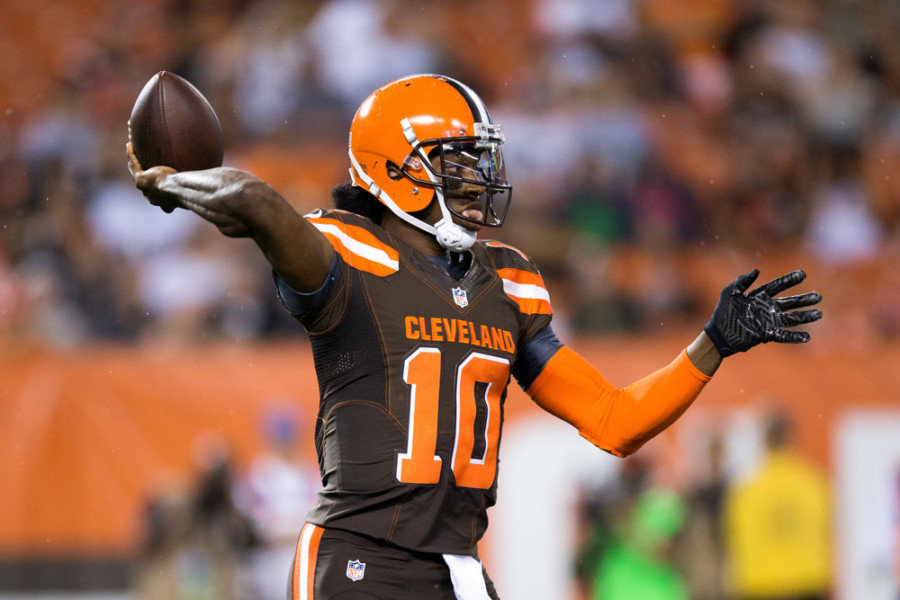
x,y
360,249
526,291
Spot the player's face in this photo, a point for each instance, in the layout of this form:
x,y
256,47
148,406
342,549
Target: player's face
x,y
473,183
464,185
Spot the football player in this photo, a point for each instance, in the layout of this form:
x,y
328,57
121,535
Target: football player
x,y
417,326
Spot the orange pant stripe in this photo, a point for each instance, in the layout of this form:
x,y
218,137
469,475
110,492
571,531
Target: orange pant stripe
x,y
305,562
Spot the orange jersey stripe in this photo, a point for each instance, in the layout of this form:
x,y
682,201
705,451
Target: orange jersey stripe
x,y
303,580
527,289
359,248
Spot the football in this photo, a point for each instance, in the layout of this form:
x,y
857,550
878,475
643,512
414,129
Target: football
x,y
174,125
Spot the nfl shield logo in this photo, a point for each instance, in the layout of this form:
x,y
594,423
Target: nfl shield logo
x,y
356,570
459,296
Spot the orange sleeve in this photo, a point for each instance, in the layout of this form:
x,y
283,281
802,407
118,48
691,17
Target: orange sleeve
x,y
618,420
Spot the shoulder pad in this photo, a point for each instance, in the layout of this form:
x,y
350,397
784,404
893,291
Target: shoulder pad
x,y
521,279
358,241
505,255
340,215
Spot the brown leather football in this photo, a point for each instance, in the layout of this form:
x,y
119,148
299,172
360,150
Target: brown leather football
x,y
174,125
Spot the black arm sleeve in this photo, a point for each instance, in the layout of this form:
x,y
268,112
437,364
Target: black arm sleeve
x,y
534,354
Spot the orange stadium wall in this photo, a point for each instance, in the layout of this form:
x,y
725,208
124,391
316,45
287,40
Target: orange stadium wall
x,y
87,435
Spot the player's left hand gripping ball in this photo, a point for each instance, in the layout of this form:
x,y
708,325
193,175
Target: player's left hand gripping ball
x,y
741,321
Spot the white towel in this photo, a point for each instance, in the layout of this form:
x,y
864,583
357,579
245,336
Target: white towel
x,y
467,577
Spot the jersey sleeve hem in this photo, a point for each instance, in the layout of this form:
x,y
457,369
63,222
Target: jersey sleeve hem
x,y
302,303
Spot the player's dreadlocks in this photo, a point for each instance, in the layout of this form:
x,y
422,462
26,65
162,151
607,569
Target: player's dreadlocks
x,y
346,196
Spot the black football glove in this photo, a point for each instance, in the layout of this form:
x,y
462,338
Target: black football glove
x,y
741,321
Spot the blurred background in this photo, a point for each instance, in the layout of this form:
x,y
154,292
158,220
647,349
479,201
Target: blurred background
x,y
156,403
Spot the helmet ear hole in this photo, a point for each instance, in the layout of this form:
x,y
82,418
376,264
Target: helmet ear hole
x,y
393,171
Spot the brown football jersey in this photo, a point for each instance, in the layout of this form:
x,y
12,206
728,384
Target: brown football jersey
x,y
413,368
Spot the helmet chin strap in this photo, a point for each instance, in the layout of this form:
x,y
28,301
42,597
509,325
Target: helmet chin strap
x,y
449,235
453,237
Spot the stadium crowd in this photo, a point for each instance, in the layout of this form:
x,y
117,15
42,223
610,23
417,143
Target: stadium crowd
x,y
642,138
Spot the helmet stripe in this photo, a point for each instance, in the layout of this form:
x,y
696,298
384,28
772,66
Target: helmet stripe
x,y
476,104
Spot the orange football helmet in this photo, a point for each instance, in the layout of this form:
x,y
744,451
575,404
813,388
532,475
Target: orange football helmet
x,y
407,124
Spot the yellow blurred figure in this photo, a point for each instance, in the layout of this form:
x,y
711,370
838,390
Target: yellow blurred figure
x,y
778,526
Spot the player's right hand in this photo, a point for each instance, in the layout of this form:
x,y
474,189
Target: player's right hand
x,y
741,321
229,198
148,181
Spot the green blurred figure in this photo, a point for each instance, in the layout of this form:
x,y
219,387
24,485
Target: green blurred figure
x,y
631,527
637,563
